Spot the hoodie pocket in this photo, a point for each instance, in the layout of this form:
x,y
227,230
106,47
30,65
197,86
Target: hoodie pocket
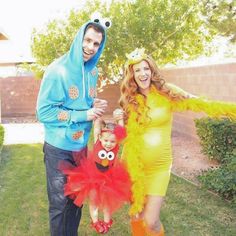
x,y
75,134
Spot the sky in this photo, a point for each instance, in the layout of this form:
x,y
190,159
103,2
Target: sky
x,y
19,17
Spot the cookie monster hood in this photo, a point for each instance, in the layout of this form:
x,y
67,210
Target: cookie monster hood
x,y
73,60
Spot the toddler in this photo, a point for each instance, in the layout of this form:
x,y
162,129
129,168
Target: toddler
x,y
101,178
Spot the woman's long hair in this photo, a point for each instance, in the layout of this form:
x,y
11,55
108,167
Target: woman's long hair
x,y
129,89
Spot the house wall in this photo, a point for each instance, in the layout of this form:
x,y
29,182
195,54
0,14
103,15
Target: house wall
x,y
19,94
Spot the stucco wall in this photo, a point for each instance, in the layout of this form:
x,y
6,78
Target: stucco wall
x,y
18,95
213,81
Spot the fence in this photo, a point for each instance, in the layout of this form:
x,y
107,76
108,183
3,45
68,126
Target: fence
x,y
19,94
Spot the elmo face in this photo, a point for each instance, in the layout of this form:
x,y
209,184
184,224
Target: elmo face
x,y
103,157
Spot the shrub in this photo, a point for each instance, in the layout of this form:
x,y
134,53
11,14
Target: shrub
x,y
221,180
218,141
217,138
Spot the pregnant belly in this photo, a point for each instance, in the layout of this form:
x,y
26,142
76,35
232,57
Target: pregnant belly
x,y
156,150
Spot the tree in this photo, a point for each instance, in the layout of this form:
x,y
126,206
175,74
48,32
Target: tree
x,y
221,17
170,30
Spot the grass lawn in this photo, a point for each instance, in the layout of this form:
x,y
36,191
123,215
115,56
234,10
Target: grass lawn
x,y
188,210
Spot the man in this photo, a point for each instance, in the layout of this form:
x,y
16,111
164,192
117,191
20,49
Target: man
x,y
67,106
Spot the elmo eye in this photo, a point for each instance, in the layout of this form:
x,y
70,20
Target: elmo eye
x,y
96,20
102,154
110,156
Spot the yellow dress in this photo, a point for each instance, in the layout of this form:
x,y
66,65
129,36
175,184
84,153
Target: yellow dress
x,y
155,152
147,149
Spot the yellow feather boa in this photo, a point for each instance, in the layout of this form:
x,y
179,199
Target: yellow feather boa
x,y
216,109
131,155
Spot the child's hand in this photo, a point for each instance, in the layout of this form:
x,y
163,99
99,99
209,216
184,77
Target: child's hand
x,y
118,114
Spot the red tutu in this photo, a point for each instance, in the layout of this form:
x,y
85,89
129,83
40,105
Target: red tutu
x,y
108,189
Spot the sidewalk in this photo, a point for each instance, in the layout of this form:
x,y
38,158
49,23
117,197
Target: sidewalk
x,y
27,132
23,133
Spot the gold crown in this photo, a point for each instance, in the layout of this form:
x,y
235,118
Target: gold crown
x,y
136,56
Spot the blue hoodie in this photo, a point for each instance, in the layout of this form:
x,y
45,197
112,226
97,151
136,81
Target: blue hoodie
x,y
67,91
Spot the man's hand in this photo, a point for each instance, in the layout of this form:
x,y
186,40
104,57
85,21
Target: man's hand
x,y
100,103
94,113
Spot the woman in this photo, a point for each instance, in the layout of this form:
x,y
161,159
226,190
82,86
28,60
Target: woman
x,y
148,103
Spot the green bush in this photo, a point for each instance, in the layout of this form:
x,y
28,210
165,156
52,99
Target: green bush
x,y
217,137
221,180
218,140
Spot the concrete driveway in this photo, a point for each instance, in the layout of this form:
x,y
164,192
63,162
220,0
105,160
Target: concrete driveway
x,y
23,133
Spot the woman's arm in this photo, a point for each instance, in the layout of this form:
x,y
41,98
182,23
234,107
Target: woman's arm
x,y
194,103
216,109
179,91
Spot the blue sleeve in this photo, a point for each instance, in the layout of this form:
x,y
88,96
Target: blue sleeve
x,y
50,109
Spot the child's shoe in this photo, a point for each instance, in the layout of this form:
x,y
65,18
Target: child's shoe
x,y
106,226
98,226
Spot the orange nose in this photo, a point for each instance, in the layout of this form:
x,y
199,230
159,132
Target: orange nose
x,y
104,162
